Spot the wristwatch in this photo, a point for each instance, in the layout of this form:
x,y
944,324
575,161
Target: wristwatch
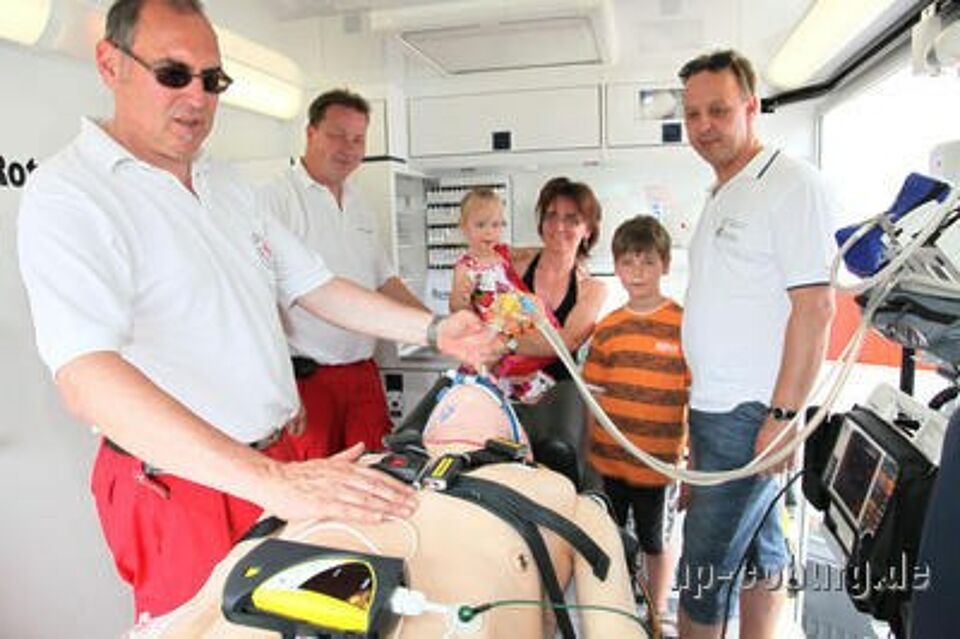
x,y
433,332
782,414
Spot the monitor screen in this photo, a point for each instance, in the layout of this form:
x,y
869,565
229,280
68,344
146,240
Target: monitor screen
x,y
852,480
351,581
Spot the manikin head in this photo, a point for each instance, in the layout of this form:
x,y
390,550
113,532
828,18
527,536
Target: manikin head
x,y
466,417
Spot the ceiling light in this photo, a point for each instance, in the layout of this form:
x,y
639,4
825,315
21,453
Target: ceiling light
x,y
828,27
23,21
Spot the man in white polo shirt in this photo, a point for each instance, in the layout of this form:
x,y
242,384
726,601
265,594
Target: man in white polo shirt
x,y
338,380
757,317
153,281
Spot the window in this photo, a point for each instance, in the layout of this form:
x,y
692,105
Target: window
x,y
871,141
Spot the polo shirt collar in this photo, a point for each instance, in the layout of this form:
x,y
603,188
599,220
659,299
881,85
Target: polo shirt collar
x,y
307,181
754,170
110,154
758,166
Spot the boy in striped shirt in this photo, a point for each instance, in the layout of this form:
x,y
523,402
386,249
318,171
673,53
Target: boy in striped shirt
x,y
636,361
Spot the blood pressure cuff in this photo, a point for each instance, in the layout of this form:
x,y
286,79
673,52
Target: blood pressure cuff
x,y
926,322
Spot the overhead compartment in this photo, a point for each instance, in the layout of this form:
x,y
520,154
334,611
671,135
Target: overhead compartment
x,y
478,36
562,118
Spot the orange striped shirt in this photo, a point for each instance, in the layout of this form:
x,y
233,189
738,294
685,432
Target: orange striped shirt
x,y
638,361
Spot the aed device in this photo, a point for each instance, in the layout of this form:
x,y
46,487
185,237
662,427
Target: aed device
x,y
873,487
301,590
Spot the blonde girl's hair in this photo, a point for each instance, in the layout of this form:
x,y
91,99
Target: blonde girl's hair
x,y
479,195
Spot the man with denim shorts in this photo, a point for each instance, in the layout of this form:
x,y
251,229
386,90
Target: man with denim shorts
x,y
758,311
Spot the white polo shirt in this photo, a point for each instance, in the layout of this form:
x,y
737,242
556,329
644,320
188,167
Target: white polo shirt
x,y
767,230
117,255
348,242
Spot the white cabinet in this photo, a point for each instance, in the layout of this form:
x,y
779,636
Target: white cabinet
x,y
565,118
387,130
398,197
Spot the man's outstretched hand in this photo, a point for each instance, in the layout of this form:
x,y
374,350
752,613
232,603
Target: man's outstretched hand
x,y
464,335
336,488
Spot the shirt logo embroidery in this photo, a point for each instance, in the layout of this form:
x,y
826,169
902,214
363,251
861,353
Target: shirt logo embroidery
x,y
666,347
730,227
262,247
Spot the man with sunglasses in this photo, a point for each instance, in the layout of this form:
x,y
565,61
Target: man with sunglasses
x,y
757,316
338,380
154,281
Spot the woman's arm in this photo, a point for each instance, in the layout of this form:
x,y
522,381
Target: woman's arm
x,y
579,325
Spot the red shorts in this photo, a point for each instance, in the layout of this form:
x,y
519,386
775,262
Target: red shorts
x,y
345,404
166,533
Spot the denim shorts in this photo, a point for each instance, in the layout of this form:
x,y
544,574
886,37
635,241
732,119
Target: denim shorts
x,y
721,519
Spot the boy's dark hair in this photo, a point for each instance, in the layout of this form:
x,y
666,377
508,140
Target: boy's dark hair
x,y
725,60
340,97
641,234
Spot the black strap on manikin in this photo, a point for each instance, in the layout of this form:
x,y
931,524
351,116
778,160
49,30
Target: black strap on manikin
x,y
409,462
525,515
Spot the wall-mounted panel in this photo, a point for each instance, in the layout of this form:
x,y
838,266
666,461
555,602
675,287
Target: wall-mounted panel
x,y
537,120
642,115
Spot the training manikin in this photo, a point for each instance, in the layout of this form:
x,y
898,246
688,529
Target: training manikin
x,y
456,552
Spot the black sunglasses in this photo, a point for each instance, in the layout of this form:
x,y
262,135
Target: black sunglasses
x,y
176,75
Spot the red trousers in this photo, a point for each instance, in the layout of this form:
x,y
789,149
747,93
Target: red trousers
x,y
345,404
166,533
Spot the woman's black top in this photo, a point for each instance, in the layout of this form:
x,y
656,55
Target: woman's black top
x,y
556,370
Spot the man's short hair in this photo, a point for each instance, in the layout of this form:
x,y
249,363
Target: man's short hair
x,y
341,97
587,205
726,59
641,234
124,15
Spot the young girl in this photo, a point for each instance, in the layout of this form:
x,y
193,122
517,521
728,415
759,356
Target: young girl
x,y
482,279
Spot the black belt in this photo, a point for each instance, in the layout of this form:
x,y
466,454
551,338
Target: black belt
x,y
304,367
260,444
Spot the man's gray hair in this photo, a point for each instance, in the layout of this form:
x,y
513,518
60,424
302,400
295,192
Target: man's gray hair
x,y
124,15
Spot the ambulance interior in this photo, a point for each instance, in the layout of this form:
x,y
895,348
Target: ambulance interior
x,y
468,92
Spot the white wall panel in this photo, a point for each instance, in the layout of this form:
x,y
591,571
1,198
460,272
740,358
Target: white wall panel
x,y
538,120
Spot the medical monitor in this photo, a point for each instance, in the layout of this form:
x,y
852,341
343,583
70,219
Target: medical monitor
x,y
860,478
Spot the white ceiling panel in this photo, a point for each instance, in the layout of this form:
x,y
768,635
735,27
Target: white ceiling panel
x,y
515,45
